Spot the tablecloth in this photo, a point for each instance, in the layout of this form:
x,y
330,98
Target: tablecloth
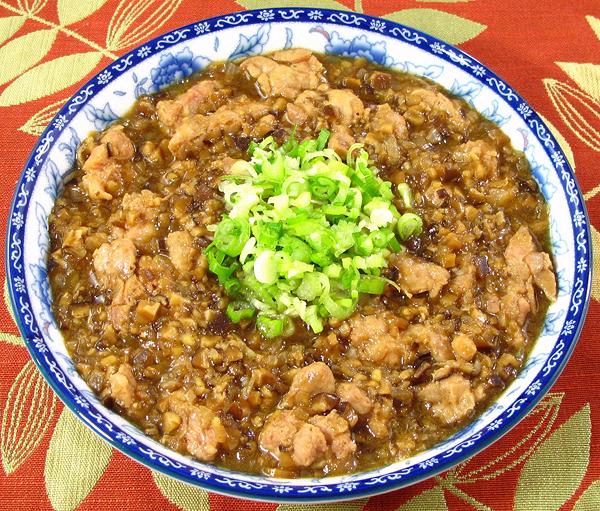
x,y
547,50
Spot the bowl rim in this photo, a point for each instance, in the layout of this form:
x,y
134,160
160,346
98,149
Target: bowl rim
x,y
522,404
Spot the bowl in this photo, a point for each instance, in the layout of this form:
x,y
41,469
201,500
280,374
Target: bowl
x,y
176,55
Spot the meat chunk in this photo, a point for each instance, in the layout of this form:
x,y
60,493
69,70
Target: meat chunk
x,y
431,339
182,251
463,282
336,432
377,339
310,380
286,74
115,260
122,386
358,399
119,145
464,347
205,96
306,107
278,433
417,276
125,297
236,117
386,129
340,140
140,211
347,106
309,445
437,106
478,157
102,176
202,430
451,399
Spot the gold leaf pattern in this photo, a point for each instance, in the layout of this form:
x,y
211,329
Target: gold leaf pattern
x,y
571,104
124,29
562,141
590,498
446,26
6,337
70,12
595,24
32,6
563,459
351,505
9,26
587,76
75,460
268,4
49,77
429,500
24,52
37,123
27,414
183,495
596,262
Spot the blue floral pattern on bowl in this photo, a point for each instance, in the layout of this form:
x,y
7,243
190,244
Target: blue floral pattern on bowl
x,y
175,56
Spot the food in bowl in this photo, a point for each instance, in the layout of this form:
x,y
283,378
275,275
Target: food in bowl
x,y
300,264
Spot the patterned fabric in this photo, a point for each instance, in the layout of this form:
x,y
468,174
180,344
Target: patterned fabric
x,y
550,461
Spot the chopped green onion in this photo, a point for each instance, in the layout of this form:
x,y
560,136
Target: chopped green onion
x,y
409,225
305,233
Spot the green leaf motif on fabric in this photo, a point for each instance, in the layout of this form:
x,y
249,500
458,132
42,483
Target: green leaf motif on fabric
x,y
37,123
27,415
590,498
75,460
429,500
562,141
183,495
49,77
133,22
70,12
352,505
9,26
595,24
587,76
448,27
269,4
553,473
24,52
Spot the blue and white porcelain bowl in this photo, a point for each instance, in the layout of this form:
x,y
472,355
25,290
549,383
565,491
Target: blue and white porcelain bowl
x,y
178,54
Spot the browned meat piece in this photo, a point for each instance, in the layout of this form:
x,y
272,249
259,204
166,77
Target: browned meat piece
x,y
299,71
203,97
437,106
478,157
340,141
417,276
540,266
182,251
377,339
122,386
305,108
346,105
385,130
431,339
380,81
102,176
200,427
232,118
278,433
309,445
463,282
358,399
451,399
464,347
140,211
115,260
119,145
125,296
310,380
336,432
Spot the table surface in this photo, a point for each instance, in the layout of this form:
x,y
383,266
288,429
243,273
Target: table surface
x,y
548,50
